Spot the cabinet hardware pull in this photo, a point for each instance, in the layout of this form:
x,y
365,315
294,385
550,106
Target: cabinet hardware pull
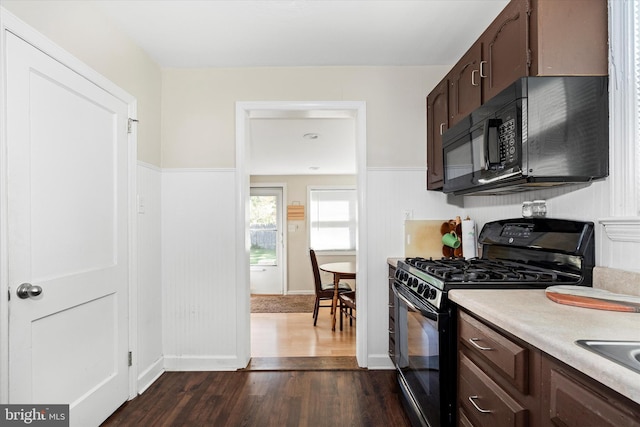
x,y
473,77
482,74
475,405
478,346
442,128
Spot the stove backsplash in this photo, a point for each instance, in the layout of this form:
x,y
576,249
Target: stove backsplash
x,y
618,281
577,202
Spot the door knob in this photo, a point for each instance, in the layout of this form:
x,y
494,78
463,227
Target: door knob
x,y
27,290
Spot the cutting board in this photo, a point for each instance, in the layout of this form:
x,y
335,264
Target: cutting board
x,y
599,299
422,238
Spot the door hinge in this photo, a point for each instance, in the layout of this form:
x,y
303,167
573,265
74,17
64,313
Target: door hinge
x,y
130,359
130,123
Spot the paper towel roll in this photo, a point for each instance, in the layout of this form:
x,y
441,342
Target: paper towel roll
x,y
469,245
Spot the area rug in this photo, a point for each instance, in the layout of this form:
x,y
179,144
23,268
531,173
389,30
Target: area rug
x,y
282,303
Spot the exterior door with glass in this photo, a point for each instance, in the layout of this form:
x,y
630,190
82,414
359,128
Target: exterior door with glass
x,y
267,242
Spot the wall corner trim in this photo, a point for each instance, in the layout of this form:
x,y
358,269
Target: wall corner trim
x,y
622,229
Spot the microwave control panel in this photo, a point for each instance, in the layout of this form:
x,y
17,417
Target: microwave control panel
x,y
507,138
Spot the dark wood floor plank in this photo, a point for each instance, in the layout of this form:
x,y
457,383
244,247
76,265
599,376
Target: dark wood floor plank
x,y
329,363
358,398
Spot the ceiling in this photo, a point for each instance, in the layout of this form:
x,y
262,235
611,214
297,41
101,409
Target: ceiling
x,y
291,33
295,146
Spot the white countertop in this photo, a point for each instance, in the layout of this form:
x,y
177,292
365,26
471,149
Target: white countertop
x,y
554,328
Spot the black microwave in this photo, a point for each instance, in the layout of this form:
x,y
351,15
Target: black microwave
x,y
538,132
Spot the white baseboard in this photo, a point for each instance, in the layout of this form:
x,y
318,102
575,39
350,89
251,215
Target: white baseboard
x,y
379,362
150,375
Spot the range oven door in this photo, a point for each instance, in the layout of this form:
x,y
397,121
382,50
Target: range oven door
x,y
425,360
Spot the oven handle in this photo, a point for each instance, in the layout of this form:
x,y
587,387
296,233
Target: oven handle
x,y
426,312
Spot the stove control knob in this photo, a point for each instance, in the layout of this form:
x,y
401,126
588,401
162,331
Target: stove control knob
x,y
431,294
420,288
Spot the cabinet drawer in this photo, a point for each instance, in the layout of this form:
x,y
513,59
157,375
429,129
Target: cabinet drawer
x,y
509,359
463,420
484,402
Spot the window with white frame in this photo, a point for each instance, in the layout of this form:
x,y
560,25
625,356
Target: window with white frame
x,y
624,110
624,70
332,218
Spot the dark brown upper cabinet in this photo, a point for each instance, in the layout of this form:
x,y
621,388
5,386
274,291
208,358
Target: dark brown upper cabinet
x,y
528,38
465,85
437,123
505,49
544,38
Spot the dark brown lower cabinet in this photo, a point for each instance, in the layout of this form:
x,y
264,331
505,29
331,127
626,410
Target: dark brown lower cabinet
x,y
498,377
573,399
504,381
485,403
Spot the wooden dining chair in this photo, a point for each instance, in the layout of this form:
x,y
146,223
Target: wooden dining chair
x,y
324,292
347,305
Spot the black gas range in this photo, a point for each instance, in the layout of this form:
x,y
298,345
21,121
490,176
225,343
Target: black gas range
x,y
516,253
532,253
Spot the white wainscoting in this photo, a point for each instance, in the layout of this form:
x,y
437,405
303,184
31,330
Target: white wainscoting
x,y
198,269
581,202
149,349
198,252
391,193
198,247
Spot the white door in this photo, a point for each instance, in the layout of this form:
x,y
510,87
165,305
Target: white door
x,y
265,228
68,232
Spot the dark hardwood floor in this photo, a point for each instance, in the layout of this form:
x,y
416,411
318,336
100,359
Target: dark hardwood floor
x,y
267,398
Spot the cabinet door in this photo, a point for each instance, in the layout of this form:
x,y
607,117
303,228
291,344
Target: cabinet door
x,y
465,94
505,49
574,402
568,37
437,123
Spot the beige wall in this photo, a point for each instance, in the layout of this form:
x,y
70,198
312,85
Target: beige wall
x,y
80,28
198,107
299,275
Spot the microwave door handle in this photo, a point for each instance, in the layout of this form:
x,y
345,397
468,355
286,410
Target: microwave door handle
x,y
492,143
499,178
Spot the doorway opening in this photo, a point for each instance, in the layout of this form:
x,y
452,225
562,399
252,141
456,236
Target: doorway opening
x,y
245,112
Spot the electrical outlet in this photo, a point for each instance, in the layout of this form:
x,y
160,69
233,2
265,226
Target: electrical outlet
x,y
140,204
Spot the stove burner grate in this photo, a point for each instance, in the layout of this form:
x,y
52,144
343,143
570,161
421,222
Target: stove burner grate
x,y
481,270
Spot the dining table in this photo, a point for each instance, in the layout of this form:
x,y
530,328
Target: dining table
x,y
340,271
